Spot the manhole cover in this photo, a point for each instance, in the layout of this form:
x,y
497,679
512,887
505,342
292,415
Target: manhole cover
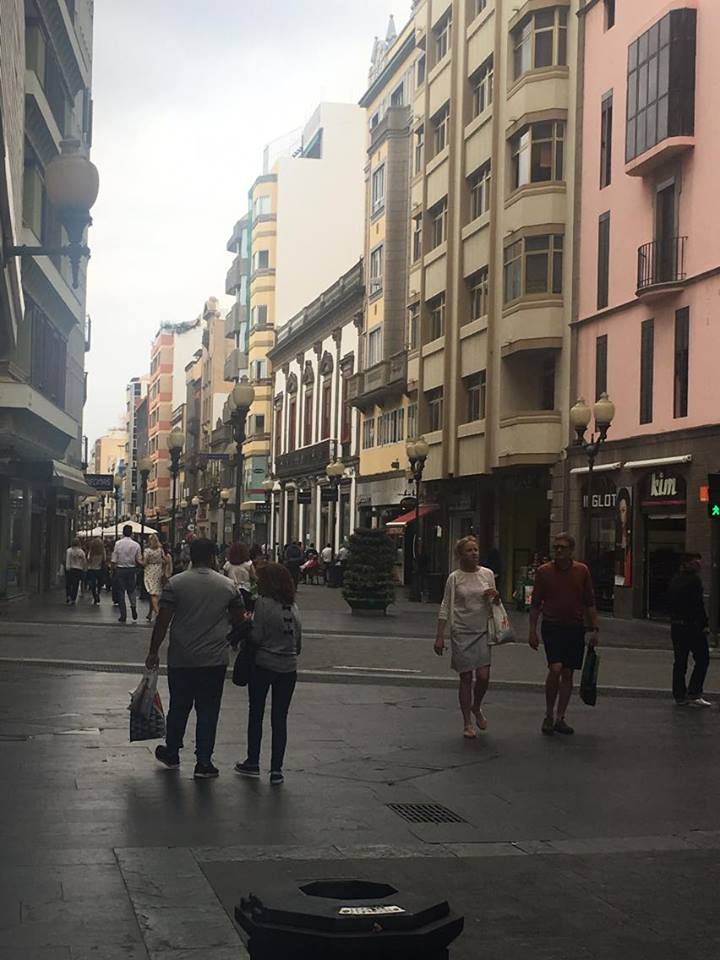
x,y
426,813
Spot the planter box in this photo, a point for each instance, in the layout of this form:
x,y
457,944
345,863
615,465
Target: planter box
x,y
368,605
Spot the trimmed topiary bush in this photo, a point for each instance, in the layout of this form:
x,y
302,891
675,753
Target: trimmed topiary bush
x,y
368,582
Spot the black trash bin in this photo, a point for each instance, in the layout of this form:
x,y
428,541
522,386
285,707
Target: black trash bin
x,y
348,919
335,574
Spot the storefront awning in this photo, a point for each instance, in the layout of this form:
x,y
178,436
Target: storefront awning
x,y
397,526
70,478
55,473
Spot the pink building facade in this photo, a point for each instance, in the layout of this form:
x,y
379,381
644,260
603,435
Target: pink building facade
x,y
648,291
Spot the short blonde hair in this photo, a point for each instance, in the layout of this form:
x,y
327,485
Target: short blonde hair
x,y
153,541
463,542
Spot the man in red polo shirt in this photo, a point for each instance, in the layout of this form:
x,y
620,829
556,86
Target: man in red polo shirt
x,y
563,593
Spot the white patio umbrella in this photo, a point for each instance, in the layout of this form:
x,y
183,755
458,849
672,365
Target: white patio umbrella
x,y
136,528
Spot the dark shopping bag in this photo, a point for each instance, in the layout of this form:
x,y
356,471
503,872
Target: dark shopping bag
x,y
147,717
243,663
589,677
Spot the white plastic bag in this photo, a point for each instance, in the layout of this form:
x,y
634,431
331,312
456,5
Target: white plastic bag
x,y
499,627
147,717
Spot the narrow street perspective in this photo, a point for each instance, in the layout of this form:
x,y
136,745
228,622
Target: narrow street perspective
x,y
359,480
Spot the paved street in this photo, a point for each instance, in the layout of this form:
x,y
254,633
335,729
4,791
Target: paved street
x,y
636,656
599,846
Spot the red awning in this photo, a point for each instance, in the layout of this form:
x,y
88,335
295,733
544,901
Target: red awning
x,y
397,526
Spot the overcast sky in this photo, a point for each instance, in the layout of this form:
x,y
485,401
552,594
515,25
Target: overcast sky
x,y
186,97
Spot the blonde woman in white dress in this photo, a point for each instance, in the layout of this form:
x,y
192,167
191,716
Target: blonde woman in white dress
x,y
154,563
464,612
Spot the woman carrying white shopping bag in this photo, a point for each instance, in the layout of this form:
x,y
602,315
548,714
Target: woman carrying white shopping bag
x,y
467,613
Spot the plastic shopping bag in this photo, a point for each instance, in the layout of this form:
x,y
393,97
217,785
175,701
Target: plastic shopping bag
x,y
147,717
589,677
499,627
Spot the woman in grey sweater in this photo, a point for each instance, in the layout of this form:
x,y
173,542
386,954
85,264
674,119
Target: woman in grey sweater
x,y
277,636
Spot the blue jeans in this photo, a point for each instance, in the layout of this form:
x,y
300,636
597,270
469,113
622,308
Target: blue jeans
x,y
283,687
201,687
126,580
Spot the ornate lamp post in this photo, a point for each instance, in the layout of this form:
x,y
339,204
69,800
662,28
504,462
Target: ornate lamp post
x,y
175,442
117,484
224,497
72,185
268,487
145,466
580,416
417,453
335,470
241,399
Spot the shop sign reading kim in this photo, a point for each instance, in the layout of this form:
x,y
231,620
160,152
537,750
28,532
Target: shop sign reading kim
x,y
660,489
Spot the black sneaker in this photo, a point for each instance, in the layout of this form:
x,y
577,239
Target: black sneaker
x,y
247,769
276,778
134,613
548,725
170,760
205,771
122,620
562,727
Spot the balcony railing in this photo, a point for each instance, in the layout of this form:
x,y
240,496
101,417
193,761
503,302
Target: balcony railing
x,y
237,271
381,381
236,365
305,460
661,263
234,320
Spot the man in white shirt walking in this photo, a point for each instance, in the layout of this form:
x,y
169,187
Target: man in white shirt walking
x,y
126,558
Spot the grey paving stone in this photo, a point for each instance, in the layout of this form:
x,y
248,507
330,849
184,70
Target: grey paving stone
x,y
35,953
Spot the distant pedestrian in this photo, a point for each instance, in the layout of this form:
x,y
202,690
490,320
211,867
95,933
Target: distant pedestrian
x,y
241,570
126,558
196,606
95,568
465,611
154,561
326,557
689,631
293,560
277,634
563,593
75,566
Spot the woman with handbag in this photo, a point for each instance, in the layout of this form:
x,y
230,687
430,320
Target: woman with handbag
x,y
466,612
277,641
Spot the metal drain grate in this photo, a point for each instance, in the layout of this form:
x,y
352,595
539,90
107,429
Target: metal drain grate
x,y
425,813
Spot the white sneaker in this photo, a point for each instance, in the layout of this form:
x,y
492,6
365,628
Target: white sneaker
x,y
699,702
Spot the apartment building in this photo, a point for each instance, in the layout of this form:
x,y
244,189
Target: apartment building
x,y
647,292
303,227
135,391
491,99
45,102
206,460
379,386
109,451
313,363
172,348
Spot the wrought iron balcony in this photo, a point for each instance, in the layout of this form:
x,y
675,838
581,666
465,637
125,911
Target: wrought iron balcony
x,y
382,381
661,266
313,459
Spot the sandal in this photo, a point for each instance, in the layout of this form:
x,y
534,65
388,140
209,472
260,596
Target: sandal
x,y
480,719
469,733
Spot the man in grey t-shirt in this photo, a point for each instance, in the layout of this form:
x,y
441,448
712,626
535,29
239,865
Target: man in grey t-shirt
x,y
196,605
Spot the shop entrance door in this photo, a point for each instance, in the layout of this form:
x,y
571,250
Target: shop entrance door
x,y
664,545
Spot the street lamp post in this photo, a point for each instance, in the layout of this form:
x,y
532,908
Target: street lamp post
x,y
580,417
175,442
224,497
117,483
71,184
241,398
417,453
268,486
145,467
335,470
